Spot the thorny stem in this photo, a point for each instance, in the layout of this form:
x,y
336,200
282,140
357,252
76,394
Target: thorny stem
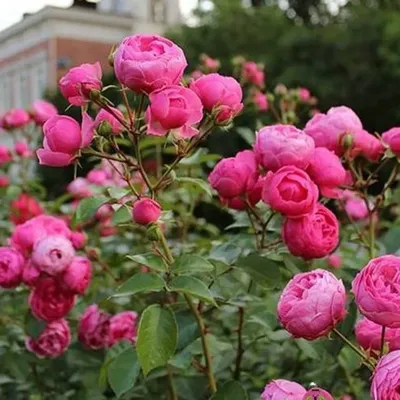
x,y
240,350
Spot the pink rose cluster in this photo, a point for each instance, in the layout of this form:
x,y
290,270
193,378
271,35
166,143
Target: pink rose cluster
x,y
24,208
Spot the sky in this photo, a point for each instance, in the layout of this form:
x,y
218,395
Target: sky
x,y
11,11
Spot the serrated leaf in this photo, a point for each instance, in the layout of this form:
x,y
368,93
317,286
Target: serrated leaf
x,y
140,283
230,390
33,326
150,260
192,286
87,208
200,183
191,264
157,337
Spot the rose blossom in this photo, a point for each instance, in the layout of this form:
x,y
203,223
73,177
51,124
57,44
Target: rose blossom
x,y
98,177
219,94
386,378
4,181
123,327
43,110
312,304
392,139
78,239
279,145
174,108
290,191
49,301
304,94
313,236
376,291
16,118
211,64
145,63
281,389
107,228
114,125
30,274
366,145
52,342
78,82
24,208
317,394
5,155
146,211
355,207
334,261
94,327
77,275
260,100
22,149
79,188
11,267
253,73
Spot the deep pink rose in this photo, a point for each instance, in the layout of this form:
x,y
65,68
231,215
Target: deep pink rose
x,y
5,155
42,111
219,94
146,211
304,94
94,328
376,291
23,208
252,73
290,191
77,275
386,379
49,301
104,117
77,83
15,118
317,394
235,176
123,327
334,261
281,389
4,181
79,188
392,139
260,101
145,63
22,149
312,304
313,236
367,146
328,129
11,267
30,274
78,239
279,145
174,108
52,342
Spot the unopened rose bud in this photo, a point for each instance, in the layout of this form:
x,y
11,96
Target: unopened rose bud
x,y
95,95
348,141
92,253
153,233
146,211
280,89
104,129
270,97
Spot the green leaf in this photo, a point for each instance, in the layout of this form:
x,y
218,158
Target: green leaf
x,y
192,286
195,157
123,371
226,252
33,326
264,271
230,390
150,260
187,327
123,214
87,208
140,283
13,192
308,349
118,192
200,183
247,134
391,240
157,337
191,264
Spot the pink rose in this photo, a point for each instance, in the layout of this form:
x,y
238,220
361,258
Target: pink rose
x,y
196,74
317,394
281,389
356,208
77,275
145,63
290,191
104,212
146,211
219,94
174,108
235,176
104,117
16,118
376,291
79,188
78,239
11,267
49,301
211,64
386,378
98,177
392,139
334,261
106,228
23,208
30,274
366,145
123,327
280,145
22,149
5,155
42,111
94,328
304,94
312,304
53,254
63,138
313,236
4,181
78,82
52,342
253,73
260,100
328,129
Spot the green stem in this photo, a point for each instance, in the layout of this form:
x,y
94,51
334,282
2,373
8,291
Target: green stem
x,y
172,388
383,340
240,350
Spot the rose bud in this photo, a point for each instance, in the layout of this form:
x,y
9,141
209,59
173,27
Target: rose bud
x,y
123,327
4,181
281,389
356,208
260,100
22,149
78,239
386,378
16,118
107,228
145,63
252,73
24,208
304,95
367,146
146,211
290,191
279,145
11,267
5,155
94,327
392,139
42,111
313,236
334,261
77,275
78,82
220,95
312,304
79,189
49,301
104,117
317,394
30,274
376,291
52,342
98,177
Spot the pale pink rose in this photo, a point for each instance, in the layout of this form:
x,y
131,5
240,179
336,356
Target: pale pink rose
x,y
49,301
23,208
235,176
77,275
53,254
279,145
386,378
104,117
79,188
281,389
78,82
392,139
356,208
174,108
290,191
312,304
78,239
317,394
211,64
4,181
123,327
98,177
376,291
252,73
146,211
367,146
52,342
313,236
260,100
304,94
16,118
145,63
43,110
22,149
94,328
11,267
327,130
334,261
220,95
5,155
